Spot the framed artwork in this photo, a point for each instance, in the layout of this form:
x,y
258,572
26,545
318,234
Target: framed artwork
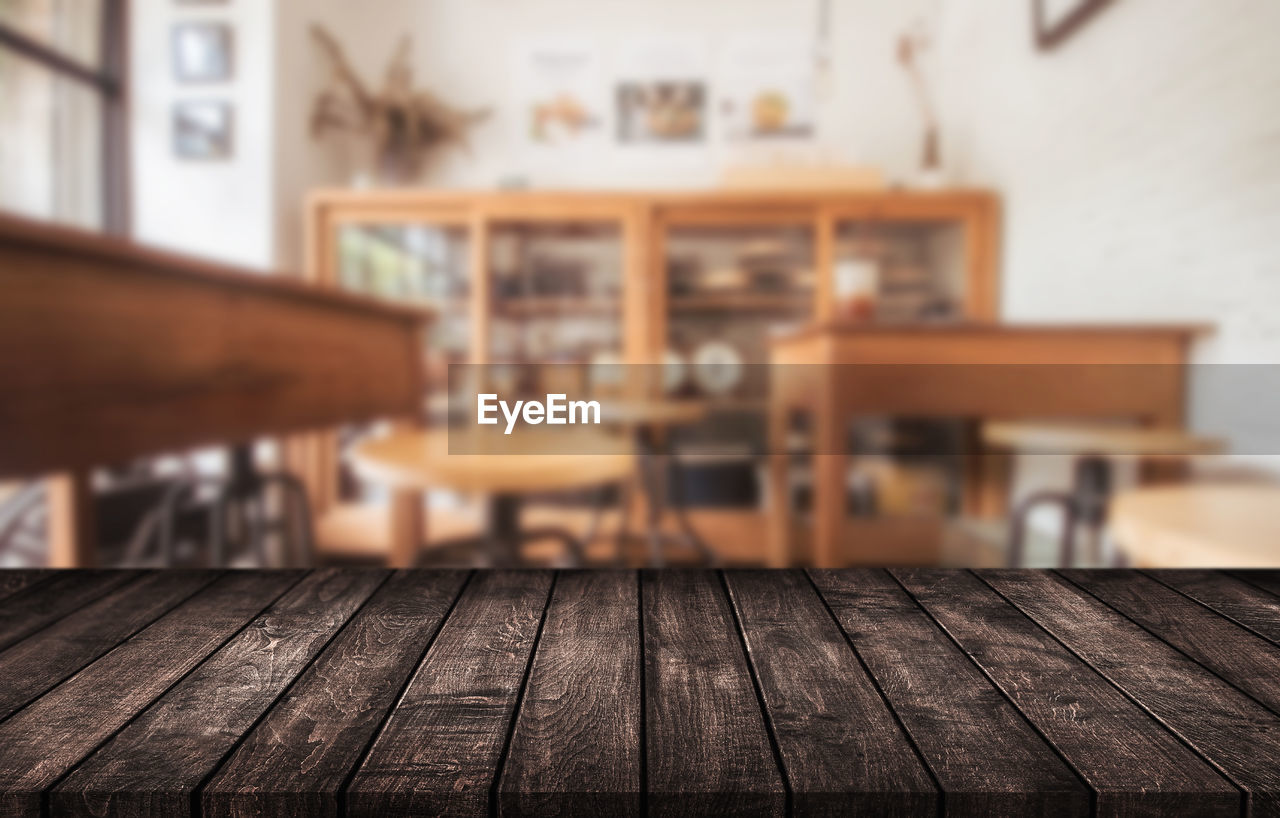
x,y
1056,20
202,52
202,130
661,111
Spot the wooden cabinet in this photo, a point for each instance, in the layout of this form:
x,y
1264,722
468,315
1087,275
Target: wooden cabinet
x,y
639,277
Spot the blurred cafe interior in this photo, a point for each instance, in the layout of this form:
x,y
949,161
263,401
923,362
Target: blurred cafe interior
x,y
924,282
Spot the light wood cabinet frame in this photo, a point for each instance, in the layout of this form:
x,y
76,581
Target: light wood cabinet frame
x,y
645,220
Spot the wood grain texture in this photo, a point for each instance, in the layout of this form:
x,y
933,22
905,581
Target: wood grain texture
x,y
576,749
1268,581
13,581
1236,599
986,757
1240,656
35,665
439,751
153,766
296,760
842,748
708,750
38,606
1133,764
44,740
349,692
1227,727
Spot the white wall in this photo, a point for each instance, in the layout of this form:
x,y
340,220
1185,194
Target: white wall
x,y
461,50
1140,168
220,209
1139,162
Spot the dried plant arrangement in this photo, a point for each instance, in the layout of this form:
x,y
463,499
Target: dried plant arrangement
x,y
912,46
406,129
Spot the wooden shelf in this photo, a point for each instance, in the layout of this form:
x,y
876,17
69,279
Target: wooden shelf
x,y
743,302
528,306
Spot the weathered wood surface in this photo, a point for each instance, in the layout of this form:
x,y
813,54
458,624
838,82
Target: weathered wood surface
x,y
906,692
985,755
707,743
33,666
1133,764
439,752
577,744
836,734
296,761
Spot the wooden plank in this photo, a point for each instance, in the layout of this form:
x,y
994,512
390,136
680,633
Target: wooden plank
x,y
44,740
708,750
986,757
1243,658
109,351
37,607
41,661
852,759
1236,599
1135,766
296,760
12,581
440,750
1266,580
576,749
155,764
1227,727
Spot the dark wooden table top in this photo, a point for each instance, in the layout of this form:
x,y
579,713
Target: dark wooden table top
x,y
905,692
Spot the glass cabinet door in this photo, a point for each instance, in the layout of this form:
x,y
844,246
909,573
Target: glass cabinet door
x,y
555,291
900,272
424,264
730,288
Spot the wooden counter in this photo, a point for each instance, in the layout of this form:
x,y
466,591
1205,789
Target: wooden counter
x,y
837,372
110,351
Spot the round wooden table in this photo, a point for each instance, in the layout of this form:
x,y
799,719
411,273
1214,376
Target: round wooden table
x,y
1098,439
503,467
1199,526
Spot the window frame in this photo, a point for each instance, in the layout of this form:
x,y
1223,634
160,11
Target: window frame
x,y
110,82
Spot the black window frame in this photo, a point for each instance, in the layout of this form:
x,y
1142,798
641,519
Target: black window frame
x,y
110,81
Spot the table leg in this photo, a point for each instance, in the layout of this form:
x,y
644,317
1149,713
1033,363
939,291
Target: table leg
x,y
502,531
829,465
408,528
656,460
780,517
71,522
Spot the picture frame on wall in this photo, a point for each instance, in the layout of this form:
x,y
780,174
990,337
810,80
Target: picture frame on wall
x,y
1055,21
202,52
203,130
